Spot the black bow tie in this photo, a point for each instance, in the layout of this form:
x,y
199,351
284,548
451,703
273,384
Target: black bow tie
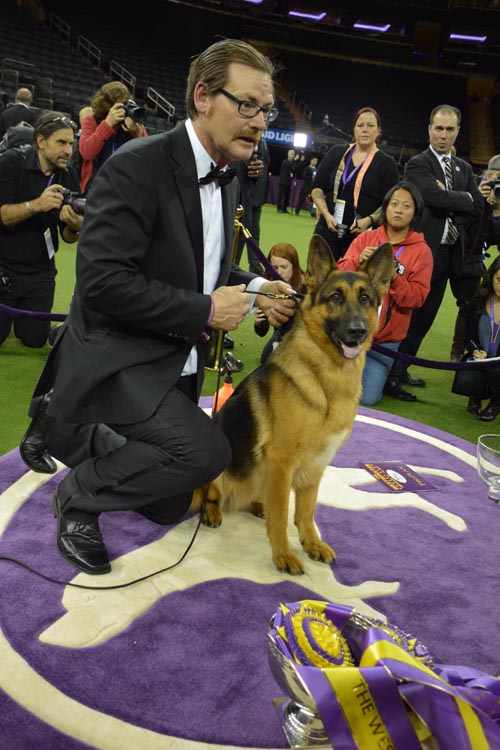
x,y
217,174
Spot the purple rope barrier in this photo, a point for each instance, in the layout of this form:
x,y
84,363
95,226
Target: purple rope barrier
x,y
15,313
406,358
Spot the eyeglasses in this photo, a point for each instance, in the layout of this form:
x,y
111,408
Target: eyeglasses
x,y
250,109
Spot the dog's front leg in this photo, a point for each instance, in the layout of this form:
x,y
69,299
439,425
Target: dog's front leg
x,y
208,499
305,506
277,497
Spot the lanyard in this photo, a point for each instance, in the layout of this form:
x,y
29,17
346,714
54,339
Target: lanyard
x,y
52,176
493,329
347,177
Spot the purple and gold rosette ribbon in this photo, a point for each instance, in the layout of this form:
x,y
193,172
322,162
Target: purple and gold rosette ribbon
x,y
376,687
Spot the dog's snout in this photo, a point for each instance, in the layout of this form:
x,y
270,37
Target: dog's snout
x,y
357,329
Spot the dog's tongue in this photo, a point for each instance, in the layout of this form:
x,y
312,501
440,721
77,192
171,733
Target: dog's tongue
x,y
351,351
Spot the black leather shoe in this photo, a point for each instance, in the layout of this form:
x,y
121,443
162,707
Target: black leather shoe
x,y
490,412
474,406
228,342
407,379
393,388
80,542
32,446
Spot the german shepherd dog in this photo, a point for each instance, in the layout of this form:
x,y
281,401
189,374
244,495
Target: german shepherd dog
x,y
288,418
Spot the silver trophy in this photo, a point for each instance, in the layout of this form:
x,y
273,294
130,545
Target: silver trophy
x,y
298,713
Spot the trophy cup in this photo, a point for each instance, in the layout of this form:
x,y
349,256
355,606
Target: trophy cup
x,y
488,464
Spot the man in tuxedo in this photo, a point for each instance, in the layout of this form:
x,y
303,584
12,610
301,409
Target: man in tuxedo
x,y
19,112
452,203
118,399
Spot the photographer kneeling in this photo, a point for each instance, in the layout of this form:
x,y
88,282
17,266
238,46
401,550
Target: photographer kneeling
x,y
33,205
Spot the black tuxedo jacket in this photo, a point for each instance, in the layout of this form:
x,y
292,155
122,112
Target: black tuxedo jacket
x,y
423,170
138,305
16,114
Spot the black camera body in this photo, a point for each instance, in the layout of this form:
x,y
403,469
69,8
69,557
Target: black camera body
x,y
495,186
133,110
73,199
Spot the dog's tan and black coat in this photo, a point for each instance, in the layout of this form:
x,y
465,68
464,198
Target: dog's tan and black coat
x,y
288,418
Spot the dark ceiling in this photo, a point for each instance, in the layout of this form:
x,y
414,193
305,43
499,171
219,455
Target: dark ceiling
x,y
418,36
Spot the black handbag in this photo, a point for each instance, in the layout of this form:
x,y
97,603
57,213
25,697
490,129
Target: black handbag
x,y
469,383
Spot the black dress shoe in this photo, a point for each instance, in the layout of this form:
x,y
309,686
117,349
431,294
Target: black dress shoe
x,y
407,379
32,446
228,342
393,388
80,542
490,412
474,406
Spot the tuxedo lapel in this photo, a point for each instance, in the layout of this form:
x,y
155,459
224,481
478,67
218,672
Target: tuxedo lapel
x,y
186,178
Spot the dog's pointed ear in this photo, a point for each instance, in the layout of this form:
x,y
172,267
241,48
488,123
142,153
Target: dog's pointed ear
x,y
380,268
320,262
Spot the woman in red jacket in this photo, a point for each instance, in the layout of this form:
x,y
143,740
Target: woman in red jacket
x,y
410,283
106,129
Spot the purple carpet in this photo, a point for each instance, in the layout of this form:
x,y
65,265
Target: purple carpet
x,y
180,660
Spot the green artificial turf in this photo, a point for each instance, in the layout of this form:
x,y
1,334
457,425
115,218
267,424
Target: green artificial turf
x,y
437,406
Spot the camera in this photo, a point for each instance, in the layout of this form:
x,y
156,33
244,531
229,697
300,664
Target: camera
x,y
495,186
73,199
133,110
341,230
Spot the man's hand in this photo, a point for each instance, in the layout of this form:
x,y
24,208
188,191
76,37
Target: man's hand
x,y
51,198
255,169
69,216
277,311
232,304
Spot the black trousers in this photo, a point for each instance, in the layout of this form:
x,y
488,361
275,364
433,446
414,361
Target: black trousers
x,y
157,463
284,196
304,192
34,293
462,288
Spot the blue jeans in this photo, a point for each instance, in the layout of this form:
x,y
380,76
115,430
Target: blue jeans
x,y
376,370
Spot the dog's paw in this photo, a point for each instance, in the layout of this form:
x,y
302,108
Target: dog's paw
x,y
257,509
320,551
212,516
288,563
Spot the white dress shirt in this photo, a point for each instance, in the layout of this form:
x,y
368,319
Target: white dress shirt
x,y
213,232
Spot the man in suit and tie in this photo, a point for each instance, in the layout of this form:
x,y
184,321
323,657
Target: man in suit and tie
x,y
154,280
452,203
18,112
